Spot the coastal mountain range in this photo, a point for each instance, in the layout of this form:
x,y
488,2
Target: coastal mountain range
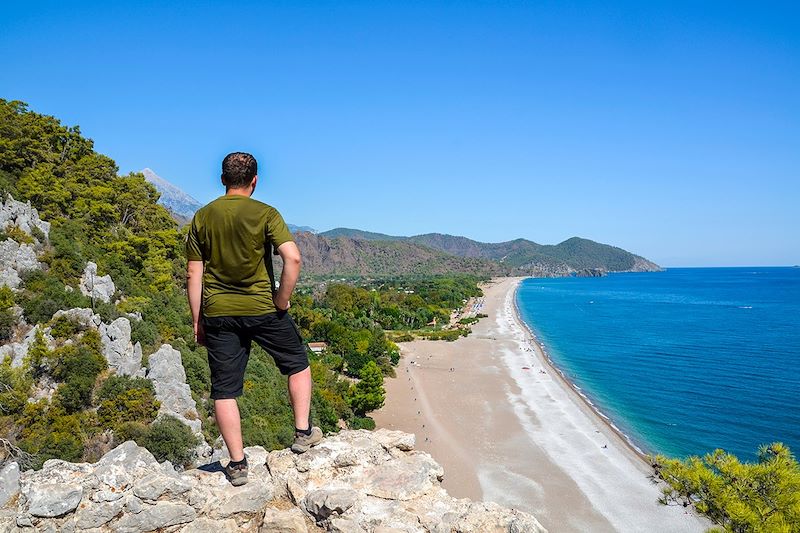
x,y
355,252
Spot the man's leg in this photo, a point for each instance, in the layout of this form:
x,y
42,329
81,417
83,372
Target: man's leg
x,y
230,425
300,396
228,352
279,336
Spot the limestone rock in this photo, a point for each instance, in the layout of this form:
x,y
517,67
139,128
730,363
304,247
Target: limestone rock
x,y
345,484
100,287
249,498
324,502
9,483
405,478
154,517
122,355
83,316
92,516
53,499
283,521
169,380
15,260
207,525
23,216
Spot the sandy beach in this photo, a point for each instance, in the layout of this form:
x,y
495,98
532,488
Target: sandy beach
x,y
507,428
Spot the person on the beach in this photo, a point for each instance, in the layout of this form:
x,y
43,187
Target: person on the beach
x,y
233,299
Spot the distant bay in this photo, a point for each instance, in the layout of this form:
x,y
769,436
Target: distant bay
x,y
683,361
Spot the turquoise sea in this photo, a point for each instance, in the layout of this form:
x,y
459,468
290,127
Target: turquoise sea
x,y
683,361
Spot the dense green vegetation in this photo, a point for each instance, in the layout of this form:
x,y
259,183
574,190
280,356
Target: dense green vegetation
x,y
80,408
740,497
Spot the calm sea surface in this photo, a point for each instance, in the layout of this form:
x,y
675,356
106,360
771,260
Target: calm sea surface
x,y
683,361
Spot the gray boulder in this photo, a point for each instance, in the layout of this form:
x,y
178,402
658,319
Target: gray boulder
x,y
283,521
83,316
124,357
9,483
155,517
49,500
323,503
166,371
94,286
92,516
16,259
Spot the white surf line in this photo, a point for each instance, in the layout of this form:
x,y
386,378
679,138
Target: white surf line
x,y
615,486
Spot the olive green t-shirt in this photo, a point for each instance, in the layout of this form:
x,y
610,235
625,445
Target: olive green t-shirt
x,y
233,236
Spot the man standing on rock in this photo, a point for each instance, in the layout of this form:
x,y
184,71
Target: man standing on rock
x,y
232,296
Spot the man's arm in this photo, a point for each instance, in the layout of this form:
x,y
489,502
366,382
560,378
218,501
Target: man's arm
x,y
194,290
291,271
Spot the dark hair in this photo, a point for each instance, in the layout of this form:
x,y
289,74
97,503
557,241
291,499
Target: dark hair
x,y
238,169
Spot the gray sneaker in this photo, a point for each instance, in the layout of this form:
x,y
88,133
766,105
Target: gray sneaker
x,y
237,475
302,443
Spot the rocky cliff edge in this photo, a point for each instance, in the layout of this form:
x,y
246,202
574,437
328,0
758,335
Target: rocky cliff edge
x,y
354,481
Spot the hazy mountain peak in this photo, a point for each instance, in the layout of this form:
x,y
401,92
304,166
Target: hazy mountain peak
x,y
172,197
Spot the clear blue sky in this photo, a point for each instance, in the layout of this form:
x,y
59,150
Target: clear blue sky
x,y
670,129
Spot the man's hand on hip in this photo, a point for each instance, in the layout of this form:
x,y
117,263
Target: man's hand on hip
x,y
199,334
281,304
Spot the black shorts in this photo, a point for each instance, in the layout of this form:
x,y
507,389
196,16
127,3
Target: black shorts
x,y
228,341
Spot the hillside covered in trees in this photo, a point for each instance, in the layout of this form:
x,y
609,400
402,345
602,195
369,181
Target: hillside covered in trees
x,y
62,392
519,257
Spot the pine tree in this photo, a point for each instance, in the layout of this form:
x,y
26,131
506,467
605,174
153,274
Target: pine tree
x,y
368,394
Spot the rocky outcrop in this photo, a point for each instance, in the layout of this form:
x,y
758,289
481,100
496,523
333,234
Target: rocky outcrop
x,y
18,350
165,368
23,216
166,371
94,286
15,260
123,356
356,481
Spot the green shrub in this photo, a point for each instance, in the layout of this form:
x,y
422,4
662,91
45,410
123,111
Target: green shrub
x,y
16,233
446,334
169,439
323,411
77,367
123,399
7,322
64,328
115,386
135,431
362,422
6,297
38,234
44,294
48,432
15,386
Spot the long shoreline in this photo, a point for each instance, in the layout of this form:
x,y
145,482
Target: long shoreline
x,y
545,358
508,427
